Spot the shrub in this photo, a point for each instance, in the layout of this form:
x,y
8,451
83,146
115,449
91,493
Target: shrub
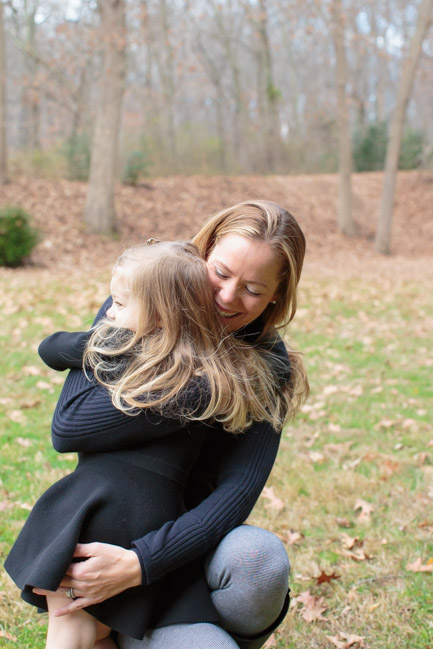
x,y
370,145
137,165
76,150
411,149
369,148
17,237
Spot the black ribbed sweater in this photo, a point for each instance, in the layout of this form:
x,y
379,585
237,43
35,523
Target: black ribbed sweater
x,y
223,488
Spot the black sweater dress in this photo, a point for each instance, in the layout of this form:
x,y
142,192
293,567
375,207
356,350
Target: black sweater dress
x,y
133,478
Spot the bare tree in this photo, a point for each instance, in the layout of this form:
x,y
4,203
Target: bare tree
x,y
383,234
344,216
3,145
99,213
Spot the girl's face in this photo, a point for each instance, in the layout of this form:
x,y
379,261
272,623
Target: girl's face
x,y
244,275
122,311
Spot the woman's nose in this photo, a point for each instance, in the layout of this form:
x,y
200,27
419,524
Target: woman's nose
x,y
110,313
227,293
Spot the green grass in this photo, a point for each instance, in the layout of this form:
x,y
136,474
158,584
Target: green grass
x,y
365,434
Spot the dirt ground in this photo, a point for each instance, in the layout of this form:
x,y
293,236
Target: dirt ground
x,y
174,207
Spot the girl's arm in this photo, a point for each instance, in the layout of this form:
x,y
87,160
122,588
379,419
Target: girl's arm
x,y
64,350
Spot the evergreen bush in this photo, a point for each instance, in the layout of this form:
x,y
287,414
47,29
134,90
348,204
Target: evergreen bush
x,y
369,148
411,149
17,236
137,165
76,150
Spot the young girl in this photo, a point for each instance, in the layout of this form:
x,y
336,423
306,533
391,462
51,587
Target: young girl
x,y
160,352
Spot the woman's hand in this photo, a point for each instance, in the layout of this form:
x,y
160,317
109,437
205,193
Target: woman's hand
x,y
109,570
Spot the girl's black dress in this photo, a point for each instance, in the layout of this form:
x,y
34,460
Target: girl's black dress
x,y
116,497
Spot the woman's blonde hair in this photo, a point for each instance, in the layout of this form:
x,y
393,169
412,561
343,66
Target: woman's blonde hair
x,y
266,221
179,361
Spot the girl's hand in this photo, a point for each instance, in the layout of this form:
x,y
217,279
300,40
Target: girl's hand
x,y
108,570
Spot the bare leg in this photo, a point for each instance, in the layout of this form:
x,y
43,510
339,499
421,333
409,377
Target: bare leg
x,y
78,630
106,643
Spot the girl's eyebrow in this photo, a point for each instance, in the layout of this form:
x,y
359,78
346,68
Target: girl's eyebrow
x,y
248,281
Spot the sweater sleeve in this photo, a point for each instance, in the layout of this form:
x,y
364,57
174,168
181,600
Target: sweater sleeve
x,y
245,462
64,350
85,420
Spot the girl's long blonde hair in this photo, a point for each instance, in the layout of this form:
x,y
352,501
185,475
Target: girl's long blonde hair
x,y
179,361
267,221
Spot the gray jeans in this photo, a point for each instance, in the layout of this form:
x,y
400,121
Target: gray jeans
x,y
247,575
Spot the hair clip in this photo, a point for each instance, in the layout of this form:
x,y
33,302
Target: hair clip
x,y
151,241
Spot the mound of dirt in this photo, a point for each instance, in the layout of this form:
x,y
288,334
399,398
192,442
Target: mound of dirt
x,y
175,207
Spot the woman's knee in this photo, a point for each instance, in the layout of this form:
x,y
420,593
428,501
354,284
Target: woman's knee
x,y
252,554
182,636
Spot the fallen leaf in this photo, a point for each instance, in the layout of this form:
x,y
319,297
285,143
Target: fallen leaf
x,y
350,542
16,416
292,537
316,456
313,606
417,566
387,423
346,640
323,578
366,510
343,522
31,370
274,502
359,555
24,442
43,385
8,636
27,405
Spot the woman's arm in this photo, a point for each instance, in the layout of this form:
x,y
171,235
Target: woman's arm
x,y
243,465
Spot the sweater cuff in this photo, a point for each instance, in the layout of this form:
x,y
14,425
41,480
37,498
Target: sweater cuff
x,y
143,570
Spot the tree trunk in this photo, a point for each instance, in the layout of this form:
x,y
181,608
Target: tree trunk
x,y
383,235
99,213
169,86
344,214
3,108
271,93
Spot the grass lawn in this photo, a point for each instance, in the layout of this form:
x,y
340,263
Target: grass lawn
x,y
351,494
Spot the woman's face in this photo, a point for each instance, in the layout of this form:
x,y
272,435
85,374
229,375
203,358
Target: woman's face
x,y
244,275
122,311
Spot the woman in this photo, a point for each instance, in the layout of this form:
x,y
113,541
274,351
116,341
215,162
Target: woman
x,y
254,253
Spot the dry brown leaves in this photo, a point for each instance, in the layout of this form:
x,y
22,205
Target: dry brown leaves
x,y
417,566
175,207
346,640
312,606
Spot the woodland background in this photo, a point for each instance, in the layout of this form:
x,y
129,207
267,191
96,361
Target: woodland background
x,y
227,87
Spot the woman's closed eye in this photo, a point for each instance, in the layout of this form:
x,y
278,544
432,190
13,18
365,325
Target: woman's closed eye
x,y
219,273
251,292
